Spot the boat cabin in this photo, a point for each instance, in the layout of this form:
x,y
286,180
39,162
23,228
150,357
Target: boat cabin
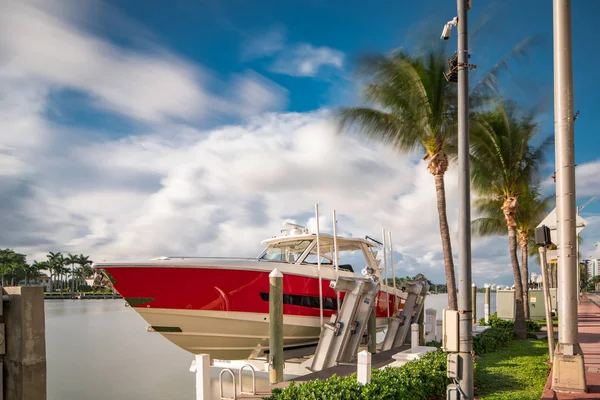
x,y
354,254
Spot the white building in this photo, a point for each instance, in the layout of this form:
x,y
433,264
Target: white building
x,y
592,267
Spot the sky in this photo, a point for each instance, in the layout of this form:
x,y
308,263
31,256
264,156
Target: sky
x,y
133,128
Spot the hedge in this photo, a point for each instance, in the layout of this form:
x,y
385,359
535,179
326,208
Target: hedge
x,y
424,378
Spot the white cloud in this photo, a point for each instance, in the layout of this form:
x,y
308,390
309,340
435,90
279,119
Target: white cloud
x,y
38,41
307,60
300,59
177,190
587,178
265,44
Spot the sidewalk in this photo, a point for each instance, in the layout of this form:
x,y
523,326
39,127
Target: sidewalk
x,y
588,314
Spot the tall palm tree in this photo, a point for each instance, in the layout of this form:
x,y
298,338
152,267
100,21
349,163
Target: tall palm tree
x,y
503,163
415,108
86,270
55,265
532,209
72,259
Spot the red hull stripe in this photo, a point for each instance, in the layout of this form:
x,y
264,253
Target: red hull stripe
x,y
218,289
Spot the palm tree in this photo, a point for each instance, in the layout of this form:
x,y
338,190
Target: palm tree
x,y
503,164
55,265
72,259
532,209
85,263
415,109
32,271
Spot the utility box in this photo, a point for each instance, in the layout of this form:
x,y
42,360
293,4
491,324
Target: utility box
x,y
505,304
537,305
452,368
450,330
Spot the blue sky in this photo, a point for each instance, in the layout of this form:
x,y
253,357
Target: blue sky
x,y
132,121
218,35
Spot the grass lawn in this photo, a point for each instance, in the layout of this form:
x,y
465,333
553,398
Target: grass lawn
x,y
516,371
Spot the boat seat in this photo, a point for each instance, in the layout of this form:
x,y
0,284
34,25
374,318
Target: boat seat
x,y
346,267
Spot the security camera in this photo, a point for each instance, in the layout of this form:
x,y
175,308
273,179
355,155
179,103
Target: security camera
x,y
448,28
446,31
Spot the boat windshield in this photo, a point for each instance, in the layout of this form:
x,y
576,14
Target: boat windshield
x,y
351,257
288,252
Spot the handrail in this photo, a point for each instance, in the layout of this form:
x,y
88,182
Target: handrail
x,y
336,258
221,385
319,266
387,290
253,392
393,272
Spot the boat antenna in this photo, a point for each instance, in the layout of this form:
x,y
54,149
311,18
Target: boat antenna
x,y
373,240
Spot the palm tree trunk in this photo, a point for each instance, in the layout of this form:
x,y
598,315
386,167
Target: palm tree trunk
x,y
440,191
520,332
525,280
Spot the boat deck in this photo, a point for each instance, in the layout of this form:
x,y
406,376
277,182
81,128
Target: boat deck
x,y
588,314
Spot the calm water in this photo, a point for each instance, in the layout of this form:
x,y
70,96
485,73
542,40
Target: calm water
x,y
99,349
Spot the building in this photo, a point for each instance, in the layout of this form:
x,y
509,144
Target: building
x,y
592,267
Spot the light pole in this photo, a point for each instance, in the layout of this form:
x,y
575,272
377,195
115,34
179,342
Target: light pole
x,y
568,369
459,73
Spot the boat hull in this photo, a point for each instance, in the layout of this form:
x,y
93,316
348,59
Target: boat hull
x,y
230,335
224,311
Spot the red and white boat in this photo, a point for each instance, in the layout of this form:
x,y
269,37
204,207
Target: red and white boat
x,y
220,306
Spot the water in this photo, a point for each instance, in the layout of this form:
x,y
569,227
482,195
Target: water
x,y
440,301
99,349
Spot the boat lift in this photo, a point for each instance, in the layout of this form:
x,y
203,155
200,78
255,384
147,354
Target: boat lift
x,y
341,336
399,324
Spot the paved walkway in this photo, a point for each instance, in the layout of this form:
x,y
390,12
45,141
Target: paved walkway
x,y
588,314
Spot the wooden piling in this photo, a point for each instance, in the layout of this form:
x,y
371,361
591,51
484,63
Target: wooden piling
x,y
275,327
25,358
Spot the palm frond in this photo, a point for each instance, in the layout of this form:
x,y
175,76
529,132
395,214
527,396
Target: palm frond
x,y
489,84
488,227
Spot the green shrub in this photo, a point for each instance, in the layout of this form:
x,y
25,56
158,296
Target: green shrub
x,y
532,326
493,338
424,379
85,288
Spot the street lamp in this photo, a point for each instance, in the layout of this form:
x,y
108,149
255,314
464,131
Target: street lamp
x,y
459,70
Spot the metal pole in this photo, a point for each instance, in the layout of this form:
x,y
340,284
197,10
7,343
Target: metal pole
x,y
487,310
465,346
319,266
548,302
474,303
393,272
387,287
336,257
275,326
568,369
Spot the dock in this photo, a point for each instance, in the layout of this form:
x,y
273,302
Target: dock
x,y
588,314
378,360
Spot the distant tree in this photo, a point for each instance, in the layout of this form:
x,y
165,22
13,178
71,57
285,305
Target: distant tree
x,y
72,259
